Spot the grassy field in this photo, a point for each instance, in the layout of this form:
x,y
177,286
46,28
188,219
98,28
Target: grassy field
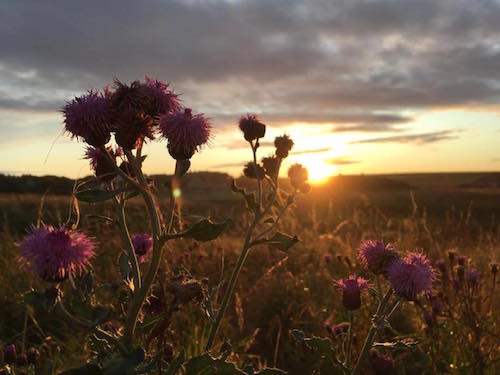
x,y
280,291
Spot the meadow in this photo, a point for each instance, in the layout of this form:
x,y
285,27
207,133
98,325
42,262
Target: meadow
x,y
443,215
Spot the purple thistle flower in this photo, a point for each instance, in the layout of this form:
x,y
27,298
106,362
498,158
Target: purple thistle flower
x,y
381,363
377,256
185,133
55,254
472,276
351,291
143,243
461,260
102,167
162,99
89,117
411,276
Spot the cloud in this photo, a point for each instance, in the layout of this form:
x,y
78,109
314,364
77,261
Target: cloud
x,y
342,160
419,139
311,151
285,58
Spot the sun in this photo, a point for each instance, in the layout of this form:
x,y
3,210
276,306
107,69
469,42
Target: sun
x,y
319,170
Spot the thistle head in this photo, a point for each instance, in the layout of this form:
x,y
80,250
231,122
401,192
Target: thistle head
x,y
472,276
185,133
283,146
251,127
411,276
161,99
461,260
89,117
254,171
55,254
103,167
143,244
133,128
271,165
298,177
381,364
351,291
377,256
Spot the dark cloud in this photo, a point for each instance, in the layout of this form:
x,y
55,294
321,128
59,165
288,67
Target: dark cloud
x,y
420,139
287,59
342,160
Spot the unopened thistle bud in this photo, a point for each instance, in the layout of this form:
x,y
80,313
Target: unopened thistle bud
x,y
283,146
253,171
351,291
271,165
461,260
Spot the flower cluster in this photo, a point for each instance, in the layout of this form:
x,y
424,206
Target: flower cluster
x,y
134,113
57,253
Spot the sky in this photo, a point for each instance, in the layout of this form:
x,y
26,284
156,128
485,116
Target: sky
x,y
375,86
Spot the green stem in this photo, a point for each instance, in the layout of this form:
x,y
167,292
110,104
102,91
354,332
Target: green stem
x,y
230,288
349,341
259,187
127,242
372,332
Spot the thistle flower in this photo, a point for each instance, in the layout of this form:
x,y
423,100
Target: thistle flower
x,y
441,266
377,256
133,128
143,243
461,260
472,276
89,117
254,171
102,166
251,127
298,176
283,146
351,291
381,363
411,276
134,98
9,354
271,165
55,254
162,100
185,133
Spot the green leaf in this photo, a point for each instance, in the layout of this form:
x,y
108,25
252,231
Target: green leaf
x,y
88,369
124,264
119,365
206,364
40,301
319,344
279,240
205,230
95,195
176,364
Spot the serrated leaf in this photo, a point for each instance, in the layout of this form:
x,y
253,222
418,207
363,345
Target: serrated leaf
x,y
176,364
95,195
205,230
320,344
279,240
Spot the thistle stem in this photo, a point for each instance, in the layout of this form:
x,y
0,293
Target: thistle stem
x,y
349,341
372,332
127,242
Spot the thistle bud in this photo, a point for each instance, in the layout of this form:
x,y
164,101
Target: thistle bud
x,y
461,260
271,166
351,291
283,146
253,171
298,175
251,127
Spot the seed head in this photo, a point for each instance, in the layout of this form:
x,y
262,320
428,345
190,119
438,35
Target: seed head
x,y
351,291
377,256
89,117
411,276
251,127
283,146
298,176
253,171
185,133
54,254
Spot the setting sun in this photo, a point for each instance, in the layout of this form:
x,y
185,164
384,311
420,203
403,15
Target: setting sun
x,y
319,170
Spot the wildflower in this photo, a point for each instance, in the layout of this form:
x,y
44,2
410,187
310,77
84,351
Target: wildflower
x,y
494,268
22,360
377,256
143,243
161,99
55,254
283,146
441,266
133,128
134,98
271,165
9,354
351,291
89,117
185,133
33,355
102,166
381,363
472,276
298,176
251,127
253,170
461,260
411,276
